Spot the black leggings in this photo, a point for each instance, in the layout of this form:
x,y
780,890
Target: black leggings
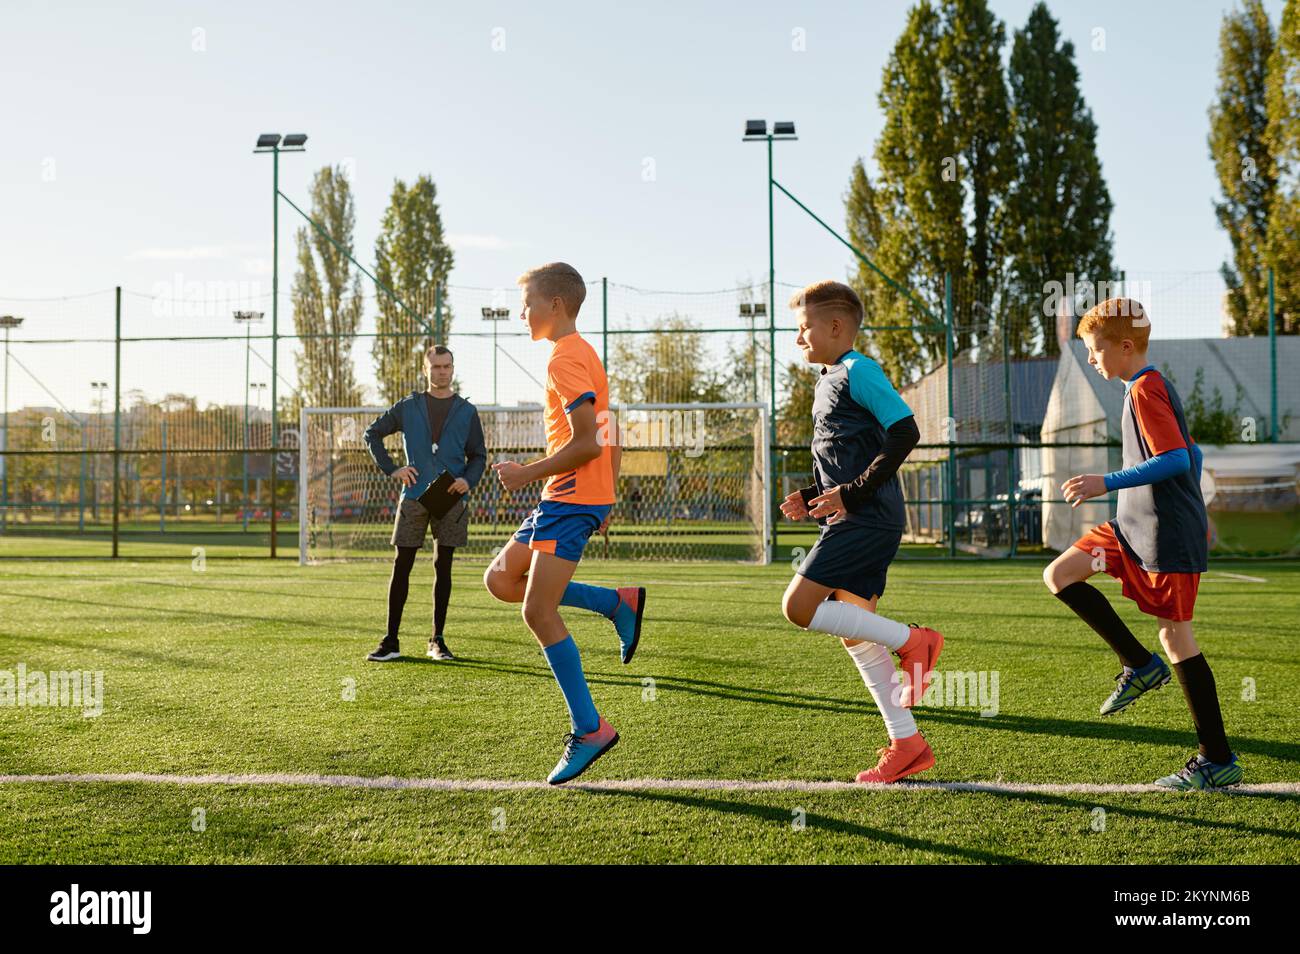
x,y
400,583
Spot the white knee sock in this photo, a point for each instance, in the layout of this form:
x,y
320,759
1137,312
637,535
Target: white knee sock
x,y
854,622
877,668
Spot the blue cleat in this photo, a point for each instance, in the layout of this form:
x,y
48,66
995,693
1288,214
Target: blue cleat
x,y
1134,682
581,750
627,619
1203,775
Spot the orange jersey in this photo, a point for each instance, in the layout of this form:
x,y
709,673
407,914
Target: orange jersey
x,y
574,374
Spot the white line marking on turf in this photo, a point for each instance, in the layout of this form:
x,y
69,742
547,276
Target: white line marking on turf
x,y
623,785
1242,577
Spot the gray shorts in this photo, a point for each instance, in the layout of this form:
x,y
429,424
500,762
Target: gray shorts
x,y
412,524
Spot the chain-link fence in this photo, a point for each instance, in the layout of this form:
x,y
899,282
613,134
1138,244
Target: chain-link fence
x,y
172,392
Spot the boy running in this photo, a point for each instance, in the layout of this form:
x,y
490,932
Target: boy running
x,y
580,468
862,433
1156,545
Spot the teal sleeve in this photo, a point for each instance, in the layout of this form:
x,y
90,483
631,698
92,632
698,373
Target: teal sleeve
x,y
870,388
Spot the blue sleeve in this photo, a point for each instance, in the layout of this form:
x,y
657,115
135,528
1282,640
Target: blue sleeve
x,y
1153,469
475,452
870,388
390,422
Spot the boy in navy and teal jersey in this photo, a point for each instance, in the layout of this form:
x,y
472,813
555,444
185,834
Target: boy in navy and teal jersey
x,y
1156,546
862,432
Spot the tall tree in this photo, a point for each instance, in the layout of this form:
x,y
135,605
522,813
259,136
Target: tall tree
x,y
1283,139
1242,150
970,58
909,220
1058,209
944,166
327,301
413,259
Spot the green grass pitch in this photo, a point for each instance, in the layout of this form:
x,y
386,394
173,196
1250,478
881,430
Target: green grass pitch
x,y
254,667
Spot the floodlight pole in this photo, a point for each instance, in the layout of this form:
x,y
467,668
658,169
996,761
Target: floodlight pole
x,y
9,321
771,300
770,136
275,325
294,143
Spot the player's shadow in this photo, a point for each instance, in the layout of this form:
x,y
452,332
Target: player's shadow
x,y
314,595
700,687
305,623
781,816
1120,810
1105,731
169,658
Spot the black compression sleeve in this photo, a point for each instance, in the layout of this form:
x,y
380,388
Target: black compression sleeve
x,y
901,437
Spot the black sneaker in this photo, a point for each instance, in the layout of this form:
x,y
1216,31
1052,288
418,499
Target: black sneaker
x,y
386,652
438,650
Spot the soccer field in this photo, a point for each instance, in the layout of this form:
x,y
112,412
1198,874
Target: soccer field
x,y
254,670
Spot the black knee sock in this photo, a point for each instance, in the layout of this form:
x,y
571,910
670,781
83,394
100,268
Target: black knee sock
x,y
1198,688
1091,606
441,587
398,585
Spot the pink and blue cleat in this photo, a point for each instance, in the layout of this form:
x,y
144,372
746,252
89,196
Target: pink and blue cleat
x,y
581,750
627,619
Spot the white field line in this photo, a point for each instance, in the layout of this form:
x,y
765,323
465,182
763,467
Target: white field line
x,y
620,785
1242,577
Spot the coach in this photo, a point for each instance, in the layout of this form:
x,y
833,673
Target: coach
x,y
440,431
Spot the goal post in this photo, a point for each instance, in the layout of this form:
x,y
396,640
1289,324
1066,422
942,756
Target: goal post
x,y
694,483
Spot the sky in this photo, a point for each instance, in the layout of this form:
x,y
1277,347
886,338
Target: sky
x,y
605,135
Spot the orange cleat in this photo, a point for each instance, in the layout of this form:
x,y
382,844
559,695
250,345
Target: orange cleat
x,y
918,656
899,759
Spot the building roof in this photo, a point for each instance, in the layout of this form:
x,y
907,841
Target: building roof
x,y
1229,364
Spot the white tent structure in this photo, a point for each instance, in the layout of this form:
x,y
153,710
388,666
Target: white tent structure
x,y
1256,478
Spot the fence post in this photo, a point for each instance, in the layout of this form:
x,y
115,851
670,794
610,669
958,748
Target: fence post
x,y
949,347
1272,360
604,322
1013,484
117,411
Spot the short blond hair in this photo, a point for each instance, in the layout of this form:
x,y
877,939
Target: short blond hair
x,y
557,280
1116,319
832,295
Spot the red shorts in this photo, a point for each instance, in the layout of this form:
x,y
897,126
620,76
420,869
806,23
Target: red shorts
x,y
1164,595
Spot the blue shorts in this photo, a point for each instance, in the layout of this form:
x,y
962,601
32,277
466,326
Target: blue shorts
x,y
853,557
561,528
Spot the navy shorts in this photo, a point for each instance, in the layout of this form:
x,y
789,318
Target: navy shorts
x,y
853,557
561,528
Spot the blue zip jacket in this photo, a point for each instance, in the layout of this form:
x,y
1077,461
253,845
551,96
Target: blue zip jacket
x,y
461,451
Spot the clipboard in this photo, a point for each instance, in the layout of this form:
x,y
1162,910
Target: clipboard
x,y
439,498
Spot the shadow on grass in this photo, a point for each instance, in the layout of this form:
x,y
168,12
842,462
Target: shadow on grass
x,y
781,816
699,687
1181,818
1105,731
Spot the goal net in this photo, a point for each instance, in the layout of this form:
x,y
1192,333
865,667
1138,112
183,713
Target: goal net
x,y
694,483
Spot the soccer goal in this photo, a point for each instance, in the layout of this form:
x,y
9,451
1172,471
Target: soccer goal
x,y
694,484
